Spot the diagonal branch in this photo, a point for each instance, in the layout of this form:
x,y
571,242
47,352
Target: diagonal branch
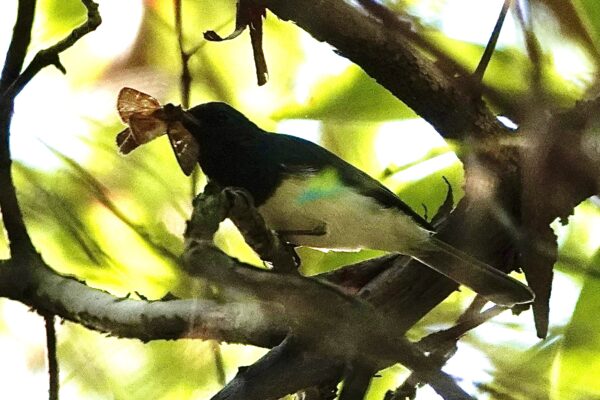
x,y
491,45
317,314
50,55
390,58
36,285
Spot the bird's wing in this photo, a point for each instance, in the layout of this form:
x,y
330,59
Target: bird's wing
x,y
298,156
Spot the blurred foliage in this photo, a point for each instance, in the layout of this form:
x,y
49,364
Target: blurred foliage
x,y
353,93
112,220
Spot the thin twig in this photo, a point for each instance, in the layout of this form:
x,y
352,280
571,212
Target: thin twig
x,y
454,333
186,77
50,55
442,345
491,45
52,359
219,362
534,50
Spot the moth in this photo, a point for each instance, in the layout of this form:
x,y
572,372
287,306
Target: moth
x,y
147,119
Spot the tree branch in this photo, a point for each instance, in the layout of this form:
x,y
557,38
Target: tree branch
x,y
19,43
10,86
390,58
36,285
53,376
318,315
50,55
20,243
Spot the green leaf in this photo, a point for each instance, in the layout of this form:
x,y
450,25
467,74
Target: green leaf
x,y
351,95
589,12
579,361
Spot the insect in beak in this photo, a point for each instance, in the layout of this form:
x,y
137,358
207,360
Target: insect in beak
x,y
147,119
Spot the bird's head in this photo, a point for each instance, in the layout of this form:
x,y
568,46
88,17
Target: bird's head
x,y
217,120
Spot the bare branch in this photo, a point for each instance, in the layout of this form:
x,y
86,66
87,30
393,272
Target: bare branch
x,y
491,45
19,43
36,285
20,243
390,58
50,55
52,360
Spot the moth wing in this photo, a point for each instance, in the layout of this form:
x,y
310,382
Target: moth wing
x,y
184,146
131,101
126,141
142,129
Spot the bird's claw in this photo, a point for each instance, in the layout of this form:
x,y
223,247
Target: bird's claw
x,y
236,195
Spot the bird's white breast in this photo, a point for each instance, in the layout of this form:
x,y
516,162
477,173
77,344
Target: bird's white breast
x,y
352,221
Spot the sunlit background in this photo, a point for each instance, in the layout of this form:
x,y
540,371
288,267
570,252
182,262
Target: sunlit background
x,y
65,120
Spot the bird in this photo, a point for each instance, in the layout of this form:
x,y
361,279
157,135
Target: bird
x,y
313,198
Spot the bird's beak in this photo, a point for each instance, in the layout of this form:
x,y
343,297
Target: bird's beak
x,y
189,120
175,113
171,112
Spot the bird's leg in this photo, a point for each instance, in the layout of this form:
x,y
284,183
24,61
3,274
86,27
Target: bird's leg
x,y
257,234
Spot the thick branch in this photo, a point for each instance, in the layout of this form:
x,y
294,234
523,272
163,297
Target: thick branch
x,y
319,315
37,286
389,58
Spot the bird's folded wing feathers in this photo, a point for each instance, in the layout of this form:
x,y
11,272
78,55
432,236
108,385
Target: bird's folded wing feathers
x,y
290,150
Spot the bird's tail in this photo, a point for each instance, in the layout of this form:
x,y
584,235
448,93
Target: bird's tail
x,y
494,285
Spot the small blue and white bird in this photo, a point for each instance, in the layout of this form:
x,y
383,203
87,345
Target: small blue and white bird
x,y
313,198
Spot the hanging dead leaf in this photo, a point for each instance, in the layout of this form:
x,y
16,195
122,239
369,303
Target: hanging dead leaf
x,y
248,15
